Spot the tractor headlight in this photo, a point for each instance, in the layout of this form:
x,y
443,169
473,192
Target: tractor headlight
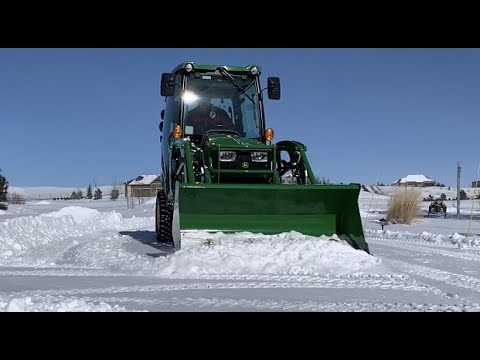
x,y
254,70
259,156
188,68
228,156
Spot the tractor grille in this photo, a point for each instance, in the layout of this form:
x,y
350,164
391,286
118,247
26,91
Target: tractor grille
x,y
242,158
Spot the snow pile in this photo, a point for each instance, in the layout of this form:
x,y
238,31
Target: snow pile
x,y
246,253
405,235
26,304
79,214
20,235
80,236
425,236
41,203
465,241
2,212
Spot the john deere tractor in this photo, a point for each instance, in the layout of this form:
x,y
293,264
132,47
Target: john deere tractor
x,y
232,178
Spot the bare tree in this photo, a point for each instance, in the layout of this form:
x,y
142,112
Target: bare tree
x,y
16,199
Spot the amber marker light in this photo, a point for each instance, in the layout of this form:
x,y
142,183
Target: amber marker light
x,y
177,132
269,134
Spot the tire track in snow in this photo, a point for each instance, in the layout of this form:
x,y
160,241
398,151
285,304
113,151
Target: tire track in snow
x,y
222,304
60,272
399,244
462,281
451,283
263,282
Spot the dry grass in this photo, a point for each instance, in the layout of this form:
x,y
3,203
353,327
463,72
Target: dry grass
x,y
403,207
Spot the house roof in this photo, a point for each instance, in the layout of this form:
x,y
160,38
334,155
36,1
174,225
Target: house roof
x,y
143,180
414,178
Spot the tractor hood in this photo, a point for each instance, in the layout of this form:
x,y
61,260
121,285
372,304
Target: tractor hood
x,y
231,158
231,141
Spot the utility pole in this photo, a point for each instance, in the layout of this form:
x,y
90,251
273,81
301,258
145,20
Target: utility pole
x,y
459,170
126,193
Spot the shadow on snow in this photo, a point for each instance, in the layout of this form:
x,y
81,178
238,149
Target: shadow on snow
x,y
149,238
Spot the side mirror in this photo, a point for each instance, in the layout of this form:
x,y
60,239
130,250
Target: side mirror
x,y
273,88
160,126
162,114
167,85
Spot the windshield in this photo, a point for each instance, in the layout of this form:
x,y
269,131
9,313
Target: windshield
x,y
214,101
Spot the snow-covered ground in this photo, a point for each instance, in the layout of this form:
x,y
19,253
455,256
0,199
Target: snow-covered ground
x,y
83,255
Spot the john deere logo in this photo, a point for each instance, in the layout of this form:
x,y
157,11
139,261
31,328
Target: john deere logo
x,y
245,164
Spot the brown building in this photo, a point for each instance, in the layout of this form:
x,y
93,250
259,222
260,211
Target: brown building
x,y
143,186
415,180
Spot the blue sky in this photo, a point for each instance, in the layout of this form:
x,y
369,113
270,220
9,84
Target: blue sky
x,y
71,117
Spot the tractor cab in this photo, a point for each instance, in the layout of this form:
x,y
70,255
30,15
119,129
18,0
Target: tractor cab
x,y
213,102
216,99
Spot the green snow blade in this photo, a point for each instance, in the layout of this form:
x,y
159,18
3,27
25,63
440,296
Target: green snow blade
x,y
271,209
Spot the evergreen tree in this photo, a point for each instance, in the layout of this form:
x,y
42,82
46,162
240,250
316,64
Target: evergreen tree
x,y
79,195
322,180
463,195
3,192
74,195
89,192
98,194
114,194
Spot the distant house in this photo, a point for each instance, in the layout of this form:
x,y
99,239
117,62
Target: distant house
x,y
143,186
415,180
475,184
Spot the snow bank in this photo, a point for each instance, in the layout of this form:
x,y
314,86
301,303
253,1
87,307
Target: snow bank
x,y
247,253
79,236
460,240
465,241
41,203
27,304
151,202
20,235
79,214
406,235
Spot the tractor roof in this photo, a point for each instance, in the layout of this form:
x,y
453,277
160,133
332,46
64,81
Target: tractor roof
x,y
210,67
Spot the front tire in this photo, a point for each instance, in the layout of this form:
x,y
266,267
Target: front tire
x,y
163,219
157,217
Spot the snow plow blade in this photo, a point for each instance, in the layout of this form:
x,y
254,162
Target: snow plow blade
x,y
271,209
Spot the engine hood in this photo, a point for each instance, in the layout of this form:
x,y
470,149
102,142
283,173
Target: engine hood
x,y
231,141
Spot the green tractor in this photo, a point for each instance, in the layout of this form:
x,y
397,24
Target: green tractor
x,y
220,171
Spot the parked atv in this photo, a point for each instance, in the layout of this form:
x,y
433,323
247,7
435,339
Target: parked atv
x,y
437,207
